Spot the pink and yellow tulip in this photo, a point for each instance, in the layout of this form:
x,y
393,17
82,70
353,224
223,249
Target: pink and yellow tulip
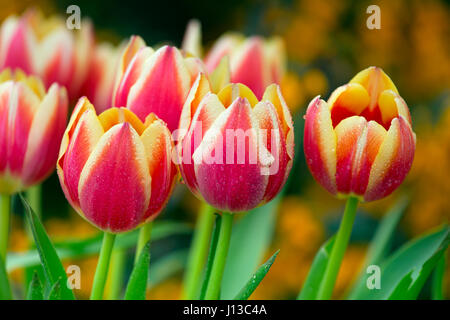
x,y
360,143
115,170
156,82
45,47
254,62
32,122
211,126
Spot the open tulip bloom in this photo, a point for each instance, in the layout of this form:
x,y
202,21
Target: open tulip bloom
x,y
359,145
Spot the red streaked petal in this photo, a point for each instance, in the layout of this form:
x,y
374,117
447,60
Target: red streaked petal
x,y
162,87
158,146
45,136
130,76
247,66
274,140
393,161
319,143
207,112
115,183
228,164
85,137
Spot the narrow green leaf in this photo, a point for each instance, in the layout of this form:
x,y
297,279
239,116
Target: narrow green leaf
x,y
5,289
211,254
53,268
381,242
437,286
74,249
55,291
313,280
256,279
35,290
137,285
404,273
251,238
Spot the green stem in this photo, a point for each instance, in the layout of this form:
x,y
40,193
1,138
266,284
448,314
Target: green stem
x,y
5,207
338,251
213,289
117,269
101,273
198,252
145,234
34,199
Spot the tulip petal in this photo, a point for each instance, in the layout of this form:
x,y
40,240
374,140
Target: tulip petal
x,y
114,185
320,144
45,135
393,160
229,169
207,112
113,116
273,138
83,139
158,146
130,76
162,87
230,92
248,66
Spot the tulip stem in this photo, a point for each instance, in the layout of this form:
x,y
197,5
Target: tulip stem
x,y
215,280
5,207
101,273
198,252
338,251
145,234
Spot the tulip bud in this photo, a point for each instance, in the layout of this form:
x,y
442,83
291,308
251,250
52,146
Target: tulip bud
x,y
235,152
360,142
115,170
156,82
32,123
254,62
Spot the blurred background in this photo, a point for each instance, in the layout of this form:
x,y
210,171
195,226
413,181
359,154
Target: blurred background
x,y
327,43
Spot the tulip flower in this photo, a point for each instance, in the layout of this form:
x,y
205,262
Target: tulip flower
x,y
360,142
45,47
115,170
32,122
232,183
235,153
359,145
254,62
156,82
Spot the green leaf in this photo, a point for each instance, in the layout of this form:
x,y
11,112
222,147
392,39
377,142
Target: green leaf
x,y
211,255
313,280
5,289
55,291
137,285
35,290
74,249
166,266
53,268
381,242
256,279
404,273
250,240
437,286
